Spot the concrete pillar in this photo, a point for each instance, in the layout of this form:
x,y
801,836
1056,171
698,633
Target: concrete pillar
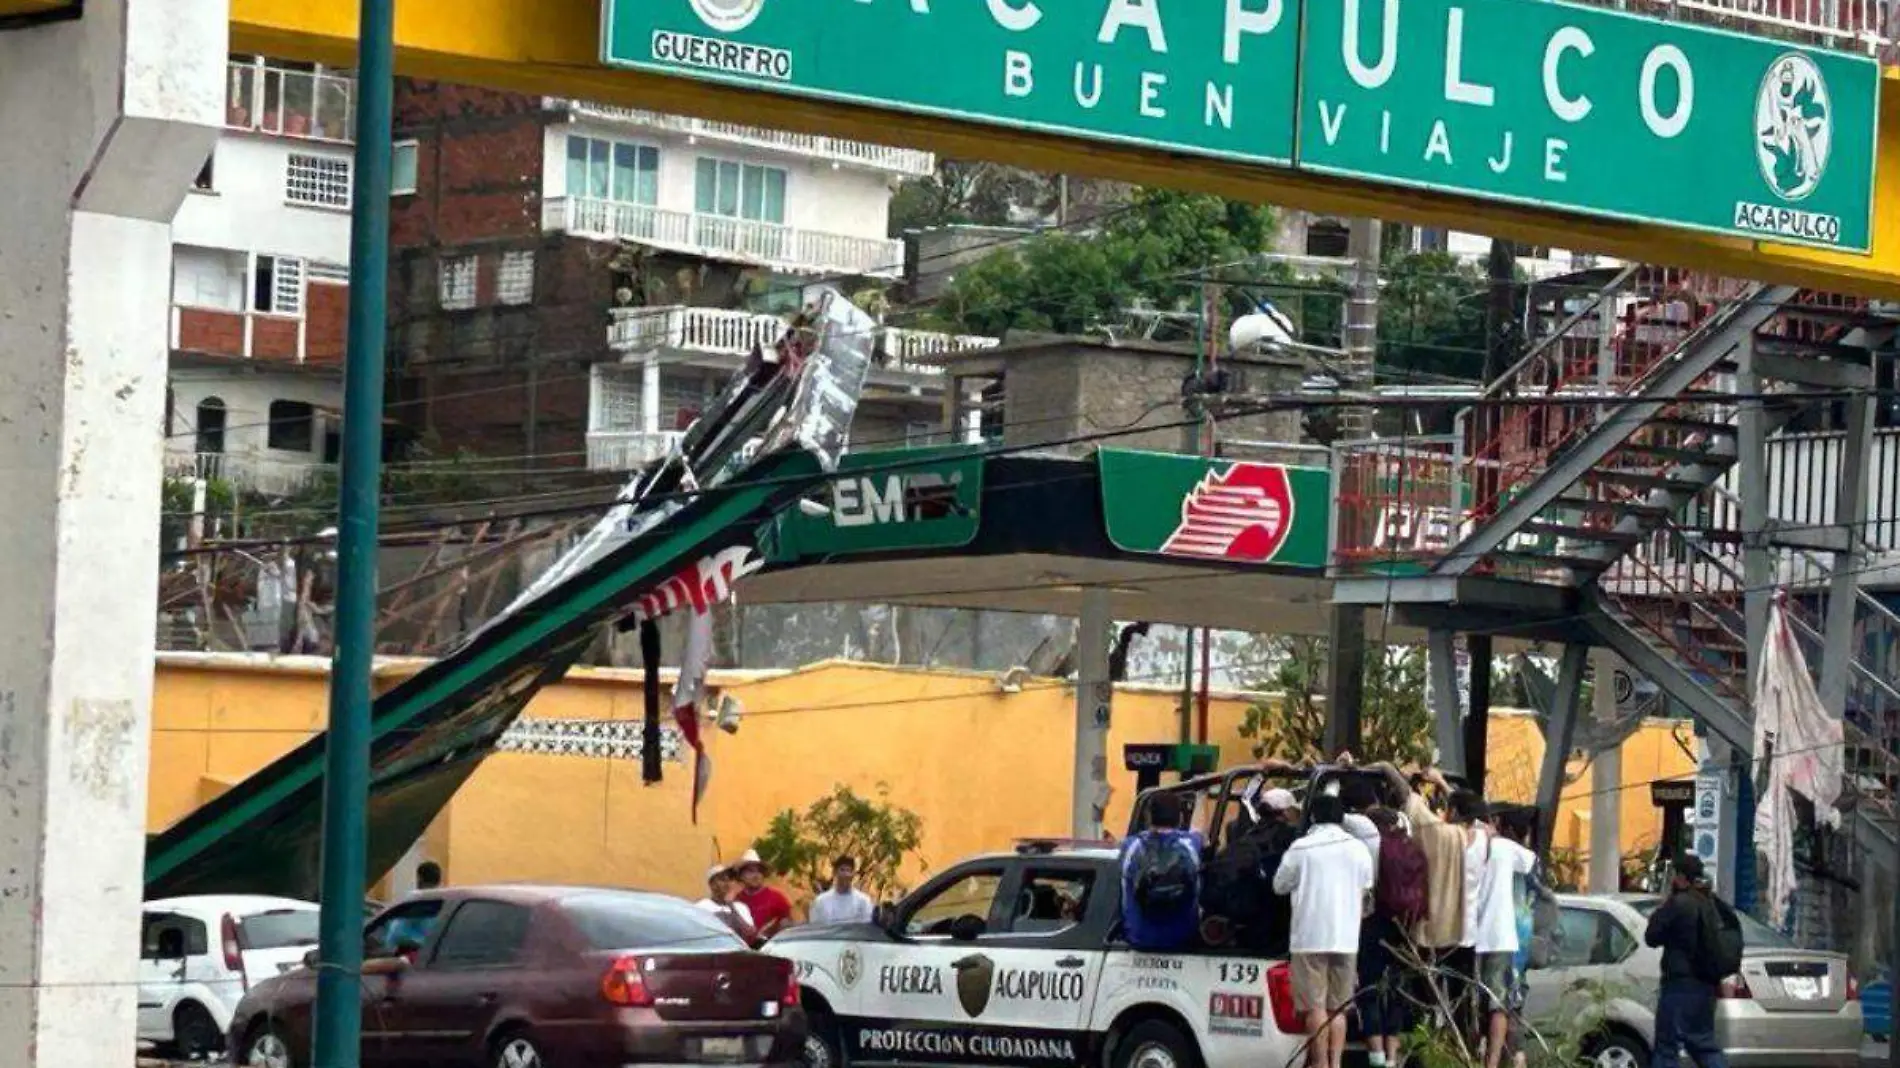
x,y
108,117
1606,785
650,395
1345,679
1441,664
1094,701
1843,590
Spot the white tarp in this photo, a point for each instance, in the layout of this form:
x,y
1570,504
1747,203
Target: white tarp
x,y
1803,747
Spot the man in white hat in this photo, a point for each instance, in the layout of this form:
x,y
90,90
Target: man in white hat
x,y
720,900
771,911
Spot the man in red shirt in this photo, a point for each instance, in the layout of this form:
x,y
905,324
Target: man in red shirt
x,y
771,912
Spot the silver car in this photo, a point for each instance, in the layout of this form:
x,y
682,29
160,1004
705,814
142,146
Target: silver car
x,y
1800,1008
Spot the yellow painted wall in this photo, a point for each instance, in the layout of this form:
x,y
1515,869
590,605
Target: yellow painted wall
x,y
980,766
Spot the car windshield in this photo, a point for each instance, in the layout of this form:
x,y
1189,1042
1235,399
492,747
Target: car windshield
x,y
612,921
1754,932
280,929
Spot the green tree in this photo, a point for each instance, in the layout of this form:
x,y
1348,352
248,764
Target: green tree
x,y
1069,283
1395,721
879,835
1431,315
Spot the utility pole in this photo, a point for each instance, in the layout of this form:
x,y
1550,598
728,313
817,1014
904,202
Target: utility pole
x,y
1346,632
338,1030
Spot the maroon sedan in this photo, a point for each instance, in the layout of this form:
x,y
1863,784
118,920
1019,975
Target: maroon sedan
x,y
543,977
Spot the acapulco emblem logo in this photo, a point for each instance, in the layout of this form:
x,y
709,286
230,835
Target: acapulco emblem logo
x,y
1242,513
728,16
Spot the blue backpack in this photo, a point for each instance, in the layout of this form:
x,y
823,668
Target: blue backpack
x,y
1167,874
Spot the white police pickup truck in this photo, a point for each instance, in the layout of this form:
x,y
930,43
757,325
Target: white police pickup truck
x,y
1010,959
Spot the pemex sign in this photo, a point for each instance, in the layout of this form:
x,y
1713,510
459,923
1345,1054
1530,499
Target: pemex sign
x,y
1224,510
1580,109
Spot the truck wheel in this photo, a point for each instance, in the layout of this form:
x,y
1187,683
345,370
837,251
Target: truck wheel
x,y
1155,1044
822,1046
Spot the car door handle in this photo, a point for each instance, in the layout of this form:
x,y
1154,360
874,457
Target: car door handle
x,y
1069,962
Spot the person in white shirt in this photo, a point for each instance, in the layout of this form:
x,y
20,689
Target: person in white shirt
x,y
1465,811
1499,861
722,892
1328,873
844,902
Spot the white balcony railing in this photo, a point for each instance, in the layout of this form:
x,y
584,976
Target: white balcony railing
x,y
613,450
320,105
788,248
261,474
905,161
725,332
927,349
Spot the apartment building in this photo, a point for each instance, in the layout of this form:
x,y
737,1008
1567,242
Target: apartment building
x,y
571,282
259,283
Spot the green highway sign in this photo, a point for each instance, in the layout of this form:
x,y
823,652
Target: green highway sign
x,y
1228,510
1214,77
1592,110
887,501
1578,109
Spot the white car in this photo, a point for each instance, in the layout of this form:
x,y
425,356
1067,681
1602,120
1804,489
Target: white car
x,y
1791,1008
1010,959
198,956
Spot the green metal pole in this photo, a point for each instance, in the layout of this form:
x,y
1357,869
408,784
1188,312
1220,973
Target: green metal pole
x,y
339,1018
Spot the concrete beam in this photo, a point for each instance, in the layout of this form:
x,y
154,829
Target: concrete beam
x,y
552,47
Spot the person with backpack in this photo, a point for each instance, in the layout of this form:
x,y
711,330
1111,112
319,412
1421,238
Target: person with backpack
x,y
1701,940
1329,874
1161,880
1399,903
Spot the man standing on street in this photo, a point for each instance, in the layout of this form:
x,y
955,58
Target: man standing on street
x,y
1440,936
1161,880
722,901
1689,928
1329,874
771,912
844,902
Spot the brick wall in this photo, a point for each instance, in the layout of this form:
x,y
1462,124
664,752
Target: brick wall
x,y
326,315
274,338
213,333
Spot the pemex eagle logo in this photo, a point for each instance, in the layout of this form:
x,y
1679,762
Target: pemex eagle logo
x,y
1241,513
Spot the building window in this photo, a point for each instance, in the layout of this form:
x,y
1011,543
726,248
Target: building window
x,y
740,191
514,281
277,286
202,183
320,271
318,181
210,425
293,426
208,278
402,168
1327,237
599,169
455,285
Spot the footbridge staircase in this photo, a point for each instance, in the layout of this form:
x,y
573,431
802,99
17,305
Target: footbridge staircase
x,y
1595,495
